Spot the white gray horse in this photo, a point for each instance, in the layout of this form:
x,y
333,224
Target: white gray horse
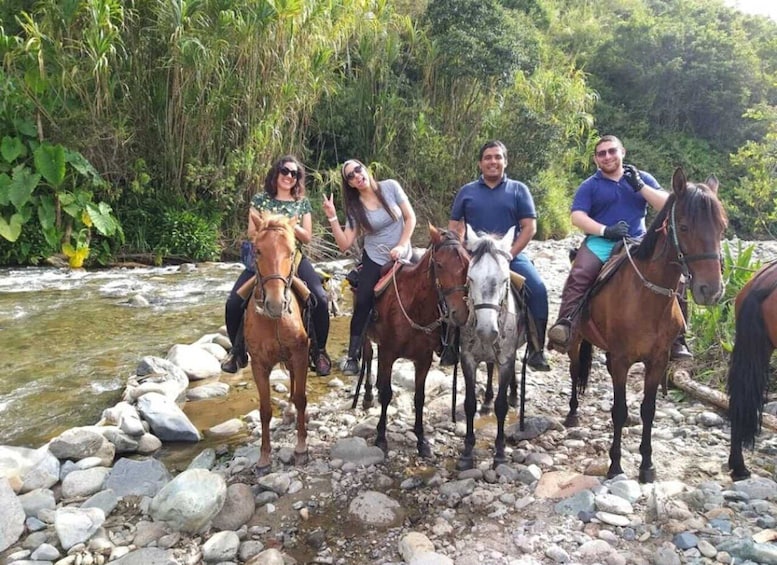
x,y
492,334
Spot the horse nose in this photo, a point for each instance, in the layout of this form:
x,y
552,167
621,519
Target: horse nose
x,y
274,308
487,334
707,294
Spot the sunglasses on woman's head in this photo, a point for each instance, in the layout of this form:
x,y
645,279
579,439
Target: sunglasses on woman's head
x,y
293,173
610,151
355,171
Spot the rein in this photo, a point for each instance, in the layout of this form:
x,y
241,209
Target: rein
x,y
441,294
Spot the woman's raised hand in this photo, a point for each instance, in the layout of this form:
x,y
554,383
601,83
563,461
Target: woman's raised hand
x,y
329,205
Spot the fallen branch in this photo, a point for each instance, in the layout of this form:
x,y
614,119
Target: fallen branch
x,y
682,380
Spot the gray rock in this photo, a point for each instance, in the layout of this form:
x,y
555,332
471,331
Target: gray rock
x,y
148,556
77,525
374,508
355,450
37,500
167,420
11,517
238,507
77,443
190,501
139,478
221,546
195,361
84,483
106,500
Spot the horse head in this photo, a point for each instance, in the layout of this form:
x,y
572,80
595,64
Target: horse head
x,y
696,224
488,280
449,265
272,237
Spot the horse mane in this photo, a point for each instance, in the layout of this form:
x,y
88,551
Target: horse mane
x,y
699,207
280,223
485,246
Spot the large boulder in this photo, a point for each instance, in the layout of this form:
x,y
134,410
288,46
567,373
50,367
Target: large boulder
x,y
167,420
190,501
11,517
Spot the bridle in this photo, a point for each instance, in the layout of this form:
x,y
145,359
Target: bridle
x,y
669,228
261,280
491,305
442,292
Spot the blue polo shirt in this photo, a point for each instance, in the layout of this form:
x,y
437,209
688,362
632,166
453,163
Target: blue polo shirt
x,y
608,201
493,210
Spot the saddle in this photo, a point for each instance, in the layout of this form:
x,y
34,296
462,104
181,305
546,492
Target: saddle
x,y
390,269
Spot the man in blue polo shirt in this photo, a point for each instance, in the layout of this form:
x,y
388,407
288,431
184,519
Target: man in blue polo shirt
x,y
494,204
608,206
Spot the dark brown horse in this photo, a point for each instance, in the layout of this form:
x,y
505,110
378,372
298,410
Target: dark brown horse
x,y
748,376
635,316
408,319
274,329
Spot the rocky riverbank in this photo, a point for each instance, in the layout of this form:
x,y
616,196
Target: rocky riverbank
x,y
97,494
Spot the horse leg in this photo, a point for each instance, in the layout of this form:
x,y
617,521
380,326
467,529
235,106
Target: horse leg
x,y
506,377
368,400
619,413
468,367
384,394
654,373
421,370
512,397
488,400
736,461
298,381
262,380
578,372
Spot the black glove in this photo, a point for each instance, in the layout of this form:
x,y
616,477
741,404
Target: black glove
x,y
616,231
631,174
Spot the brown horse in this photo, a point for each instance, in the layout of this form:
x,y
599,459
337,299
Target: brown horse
x,y
748,376
635,316
274,329
408,319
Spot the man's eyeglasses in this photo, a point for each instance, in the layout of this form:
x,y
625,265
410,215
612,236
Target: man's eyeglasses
x,y
293,173
610,151
357,170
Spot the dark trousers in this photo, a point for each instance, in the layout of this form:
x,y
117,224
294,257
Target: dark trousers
x,y
365,295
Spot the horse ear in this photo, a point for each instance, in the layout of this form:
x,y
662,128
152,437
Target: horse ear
x,y
470,236
679,181
254,222
507,239
434,233
712,183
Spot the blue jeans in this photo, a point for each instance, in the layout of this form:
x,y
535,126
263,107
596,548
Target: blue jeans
x,y
536,293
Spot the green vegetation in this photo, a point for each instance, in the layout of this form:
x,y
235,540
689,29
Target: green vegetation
x,y
157,120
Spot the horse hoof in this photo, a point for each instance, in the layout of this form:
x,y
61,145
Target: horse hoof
x,y
367,403
512,400
647,475
465,463
498,461
262,471
424,450
301,458
740,474
571,422
486,409
383,444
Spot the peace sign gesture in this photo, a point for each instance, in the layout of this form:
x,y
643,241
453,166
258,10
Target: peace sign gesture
x,y
329,206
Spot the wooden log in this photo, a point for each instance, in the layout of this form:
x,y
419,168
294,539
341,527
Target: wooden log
x,y
682,380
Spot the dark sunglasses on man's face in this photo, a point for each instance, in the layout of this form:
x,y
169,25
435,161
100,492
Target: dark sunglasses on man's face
x,y
293,173
605,152
355,171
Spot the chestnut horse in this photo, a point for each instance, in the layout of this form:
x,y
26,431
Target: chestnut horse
x,y
407,323
274,328
748,376
635,315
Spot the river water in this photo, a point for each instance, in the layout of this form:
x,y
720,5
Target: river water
x,y
70,338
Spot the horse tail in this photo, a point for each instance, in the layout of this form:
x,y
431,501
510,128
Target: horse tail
x,y
586,356
748,374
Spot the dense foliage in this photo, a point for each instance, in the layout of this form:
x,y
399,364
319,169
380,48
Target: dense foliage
x,y
132,118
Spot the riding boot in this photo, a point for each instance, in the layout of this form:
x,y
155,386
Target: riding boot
x,y
536,356
581,277
680,349
237,358
323,365
351,366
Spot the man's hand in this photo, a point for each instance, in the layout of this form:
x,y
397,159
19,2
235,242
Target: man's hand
x,y
616,231
631,174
